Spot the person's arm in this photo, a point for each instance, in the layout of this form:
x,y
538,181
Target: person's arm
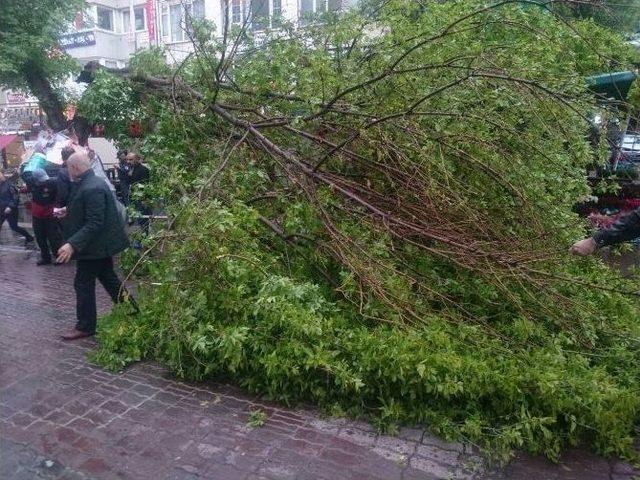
x,y
624,229
95,206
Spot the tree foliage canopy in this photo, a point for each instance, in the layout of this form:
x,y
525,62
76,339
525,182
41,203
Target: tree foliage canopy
x,y
29,54
374,214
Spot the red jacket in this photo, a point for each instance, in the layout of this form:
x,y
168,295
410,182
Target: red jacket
x,y
41,211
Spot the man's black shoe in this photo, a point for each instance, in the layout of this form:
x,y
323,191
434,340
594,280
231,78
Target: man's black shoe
x,y
42,262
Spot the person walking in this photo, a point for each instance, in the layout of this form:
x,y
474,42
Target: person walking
x,y
46,227
9,208
95,232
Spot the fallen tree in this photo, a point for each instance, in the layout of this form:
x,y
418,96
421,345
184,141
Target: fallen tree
x,y
373,213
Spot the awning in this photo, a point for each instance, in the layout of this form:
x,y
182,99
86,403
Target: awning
x,y
6,140
614,85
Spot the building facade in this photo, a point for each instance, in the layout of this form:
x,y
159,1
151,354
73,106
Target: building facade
x,y
258,14
110,31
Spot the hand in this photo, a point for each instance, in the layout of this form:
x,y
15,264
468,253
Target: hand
x,y
7,211
584,247
60,212
65,253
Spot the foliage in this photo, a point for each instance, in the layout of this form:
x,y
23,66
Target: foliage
x,y
375,214
113,102
30,57
257,418
29,31
622,16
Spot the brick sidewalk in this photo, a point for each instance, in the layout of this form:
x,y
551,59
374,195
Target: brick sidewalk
x,y
62,418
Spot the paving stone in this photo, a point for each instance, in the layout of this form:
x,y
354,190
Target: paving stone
x,y
358,437
447,457
22,419
432,440
114,406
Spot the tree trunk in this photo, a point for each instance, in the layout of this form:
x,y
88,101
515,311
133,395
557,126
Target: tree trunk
x,y
49,100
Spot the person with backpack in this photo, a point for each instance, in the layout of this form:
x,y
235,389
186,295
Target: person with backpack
x,y
46,227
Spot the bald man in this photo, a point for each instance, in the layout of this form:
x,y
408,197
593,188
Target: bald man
x,y
95,233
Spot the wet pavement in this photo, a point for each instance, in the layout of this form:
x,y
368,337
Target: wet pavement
x,y
63,418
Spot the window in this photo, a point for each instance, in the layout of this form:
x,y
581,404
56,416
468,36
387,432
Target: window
x,y
306,6
126,21
260,14
259,11
198,9
237,7
165,22
176,17
310,8
138,18
276,13
105,18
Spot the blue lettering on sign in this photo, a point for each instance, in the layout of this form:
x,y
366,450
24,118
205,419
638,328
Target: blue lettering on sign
x,y
75,40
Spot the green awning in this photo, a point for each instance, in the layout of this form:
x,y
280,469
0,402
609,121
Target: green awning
x,y
614,85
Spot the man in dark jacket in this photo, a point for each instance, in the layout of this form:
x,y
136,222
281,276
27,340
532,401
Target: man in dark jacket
x,y
626,228
138,175
95,233
123,170
9,208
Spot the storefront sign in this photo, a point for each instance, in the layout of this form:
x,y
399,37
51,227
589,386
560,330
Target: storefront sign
x,y
16,97
75,40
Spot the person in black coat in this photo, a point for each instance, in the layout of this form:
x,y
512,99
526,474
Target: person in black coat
x,y
139,174
9,208
123,170
95,232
